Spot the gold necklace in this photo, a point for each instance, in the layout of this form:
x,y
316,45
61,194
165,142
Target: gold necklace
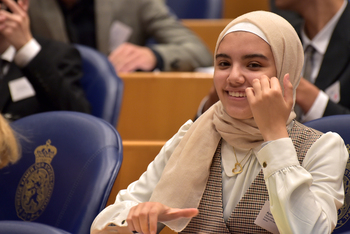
x,y
238,165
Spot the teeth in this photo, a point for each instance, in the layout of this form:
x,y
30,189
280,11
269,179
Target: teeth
x,y
237,94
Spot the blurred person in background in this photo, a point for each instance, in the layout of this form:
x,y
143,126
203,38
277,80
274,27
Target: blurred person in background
x,y
9,147
122,29
36,75
327,34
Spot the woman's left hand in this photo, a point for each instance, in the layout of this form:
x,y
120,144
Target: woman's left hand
x,y
270,107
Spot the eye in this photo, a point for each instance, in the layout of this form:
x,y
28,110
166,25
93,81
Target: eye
x,y
254,65
223,64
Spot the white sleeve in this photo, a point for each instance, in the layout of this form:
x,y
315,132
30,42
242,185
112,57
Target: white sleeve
x,y
25,54
305,199
317,109
112,218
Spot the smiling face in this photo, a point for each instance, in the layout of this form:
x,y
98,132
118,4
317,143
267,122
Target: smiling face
x,y
241,57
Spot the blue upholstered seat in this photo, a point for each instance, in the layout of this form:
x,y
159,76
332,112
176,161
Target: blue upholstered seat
x,y
20,227
341,125
67,169
102,86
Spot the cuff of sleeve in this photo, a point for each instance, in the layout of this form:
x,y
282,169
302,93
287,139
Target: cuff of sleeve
x,y
160,62
113,216
277,155
317,109
27,53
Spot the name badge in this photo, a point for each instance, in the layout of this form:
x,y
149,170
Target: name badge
x,y
21,89
119,33
333,92
266,220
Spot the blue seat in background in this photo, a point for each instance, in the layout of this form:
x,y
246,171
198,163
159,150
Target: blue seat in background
x,y
20,227
341,125
196,9
103,87
67,169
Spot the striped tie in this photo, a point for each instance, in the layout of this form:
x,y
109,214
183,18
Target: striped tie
x,y
308,68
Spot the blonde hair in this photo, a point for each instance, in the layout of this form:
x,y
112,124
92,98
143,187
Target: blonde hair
x,y
9,147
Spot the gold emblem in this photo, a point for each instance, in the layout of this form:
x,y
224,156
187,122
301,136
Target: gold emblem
x,y
344,211
36,185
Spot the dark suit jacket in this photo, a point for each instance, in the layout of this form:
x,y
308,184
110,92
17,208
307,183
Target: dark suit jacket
x,y
55,74
336,65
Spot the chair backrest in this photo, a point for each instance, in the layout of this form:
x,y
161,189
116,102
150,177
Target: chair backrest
x,y
341,125
196,9
67,169
102,86
20,227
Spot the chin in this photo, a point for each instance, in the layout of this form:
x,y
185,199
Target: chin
x,y
239,114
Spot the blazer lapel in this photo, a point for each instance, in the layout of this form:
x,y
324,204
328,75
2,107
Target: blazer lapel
x,y
5,96
104,19
337,56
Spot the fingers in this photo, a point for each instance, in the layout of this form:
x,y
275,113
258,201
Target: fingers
x,y
153,220
128,57
123,57
14,7
129,219
181,213
15,26
264,86
265,83
250,93
288,90
144,217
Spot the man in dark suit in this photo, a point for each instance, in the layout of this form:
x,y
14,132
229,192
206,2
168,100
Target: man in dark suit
x,y
121,29
325,28
36,75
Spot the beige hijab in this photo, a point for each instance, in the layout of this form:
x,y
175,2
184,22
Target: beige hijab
x,y
185,176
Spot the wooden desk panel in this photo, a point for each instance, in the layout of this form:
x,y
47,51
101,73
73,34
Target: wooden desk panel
x,y
234,8
207,29
155,105
136,157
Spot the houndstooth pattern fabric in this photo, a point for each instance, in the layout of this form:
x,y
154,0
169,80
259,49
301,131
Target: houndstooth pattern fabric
x,y
210,218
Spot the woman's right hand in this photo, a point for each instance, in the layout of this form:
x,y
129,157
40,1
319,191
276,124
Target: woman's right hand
x,y
270,107
143,218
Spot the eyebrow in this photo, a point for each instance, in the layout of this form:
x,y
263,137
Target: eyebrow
x,y
248,56
222,56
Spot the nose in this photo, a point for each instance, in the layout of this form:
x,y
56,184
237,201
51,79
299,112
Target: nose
x,y
236,76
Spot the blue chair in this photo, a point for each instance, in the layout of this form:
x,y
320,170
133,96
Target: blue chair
x,y
103,87
67,169
196,9
341,125
20,227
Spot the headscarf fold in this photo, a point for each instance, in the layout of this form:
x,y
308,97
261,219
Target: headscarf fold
x,y
184,178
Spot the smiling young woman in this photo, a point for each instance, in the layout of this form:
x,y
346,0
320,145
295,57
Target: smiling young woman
x,y
236,66
245,154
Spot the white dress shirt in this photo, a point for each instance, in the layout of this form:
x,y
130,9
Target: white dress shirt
x,y
304,199
21,57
